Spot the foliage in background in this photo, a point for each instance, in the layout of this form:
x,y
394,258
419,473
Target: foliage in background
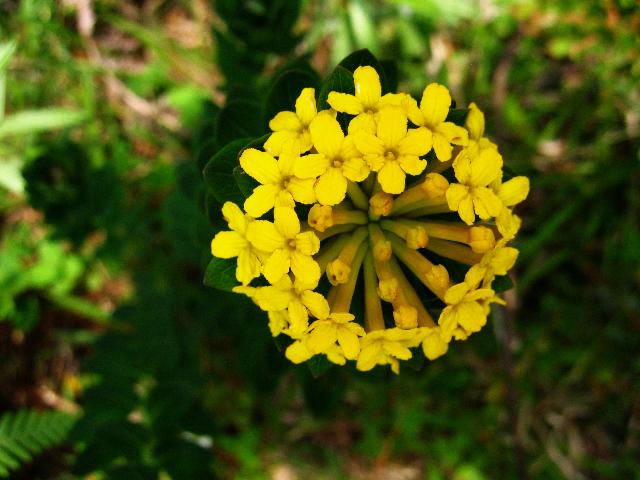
x,y
26,433
108,312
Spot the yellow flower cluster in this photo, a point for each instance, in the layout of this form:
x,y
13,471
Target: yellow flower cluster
x,y
383,198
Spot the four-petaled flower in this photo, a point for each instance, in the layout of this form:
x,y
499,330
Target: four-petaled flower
x,y
293,126
337,327
287,246
394,151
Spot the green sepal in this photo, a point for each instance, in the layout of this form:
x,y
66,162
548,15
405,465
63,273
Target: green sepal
x,y
221,274
285,90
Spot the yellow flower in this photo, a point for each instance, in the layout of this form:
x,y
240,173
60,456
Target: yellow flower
x,y
279,184
386,347
289,248
495,262
432,113
293,126
464,309
234,243
336,162
394,151
367,101
298,299
366,230
475,126
472,195
299,351
337,327
512,191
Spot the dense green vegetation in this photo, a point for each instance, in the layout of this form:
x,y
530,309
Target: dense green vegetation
x,y
109,112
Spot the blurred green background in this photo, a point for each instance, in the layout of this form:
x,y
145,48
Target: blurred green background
x,y
117,362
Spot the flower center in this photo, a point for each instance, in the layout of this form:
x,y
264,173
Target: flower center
x,y
292,243
390,155
284,182
337,162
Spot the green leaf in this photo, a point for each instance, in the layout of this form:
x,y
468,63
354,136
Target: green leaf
x,y
218,172
390,68
221,274
340,80
285,90
26,433
36,120
239,119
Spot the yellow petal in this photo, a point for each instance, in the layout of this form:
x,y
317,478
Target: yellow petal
x,y
349,343
248,267
466,210
260,165
368,144
442,147
307,243
364,122
302,189
326,134
348,149
456,293
261,200
288,157
370,356
486,203
503,260
412,164
305,268
234,217
485,168
455,194
453,133
397,350
514,191
285,121
392,126
306,105
298,352
278,321
434,345
435,104
418,141
276,141
462,167
227,244
264,236
414,114
286,222
322,337
272,298
355,169
316,303
475,122
343,102
471,316
367,85
311,166
277,265
391,177
298,318
331,187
